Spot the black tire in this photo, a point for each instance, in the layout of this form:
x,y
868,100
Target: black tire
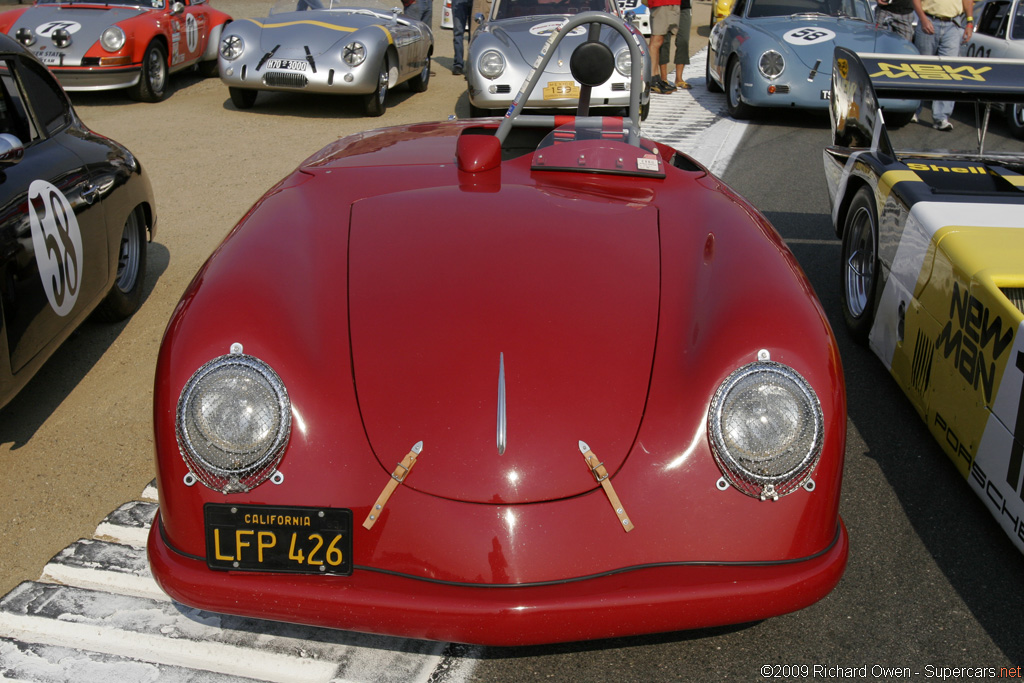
x,y
376,103
858,268
152,85
645,107
126,296
712,85
420,81
733,79
243,98
1015,120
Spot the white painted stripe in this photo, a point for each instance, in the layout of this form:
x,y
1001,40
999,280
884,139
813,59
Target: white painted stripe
x,y
694,121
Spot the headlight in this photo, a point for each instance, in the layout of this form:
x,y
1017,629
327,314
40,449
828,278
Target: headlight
x,y
623,62
771,64
766,429
232,47
61,37
354,54
112,39
491,64
25,36
233,422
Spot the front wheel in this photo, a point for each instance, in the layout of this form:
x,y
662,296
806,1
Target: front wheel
x,y
152,85
126,296
733,99
242,98
1015,120
859,265
375,104
420,81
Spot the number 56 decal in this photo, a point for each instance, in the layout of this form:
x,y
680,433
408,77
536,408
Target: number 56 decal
x,y
809,35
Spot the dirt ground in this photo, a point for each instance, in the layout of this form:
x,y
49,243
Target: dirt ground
x,y
77,441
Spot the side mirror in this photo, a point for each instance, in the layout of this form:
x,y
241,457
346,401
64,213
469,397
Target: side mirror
x,y
11,150
478,17
177,8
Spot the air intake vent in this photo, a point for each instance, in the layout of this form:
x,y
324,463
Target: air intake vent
x,y
921,369
619,87
1016,296
503,89
284,80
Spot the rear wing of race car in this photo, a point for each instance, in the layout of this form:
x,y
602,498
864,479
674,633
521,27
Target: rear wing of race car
x,y
859,80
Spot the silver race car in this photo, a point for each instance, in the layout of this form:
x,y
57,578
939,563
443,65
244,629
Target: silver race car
x,y
345,47
503,47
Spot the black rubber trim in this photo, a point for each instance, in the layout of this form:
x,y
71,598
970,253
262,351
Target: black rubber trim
x,y
558,582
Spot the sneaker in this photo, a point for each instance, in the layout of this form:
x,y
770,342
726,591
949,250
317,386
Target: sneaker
x,y
456,71
944,124
658,86
913,119
683,84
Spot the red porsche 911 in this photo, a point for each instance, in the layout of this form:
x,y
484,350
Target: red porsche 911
x,y
501,381
115,44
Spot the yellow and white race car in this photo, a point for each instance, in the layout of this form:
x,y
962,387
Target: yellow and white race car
x,y
932,269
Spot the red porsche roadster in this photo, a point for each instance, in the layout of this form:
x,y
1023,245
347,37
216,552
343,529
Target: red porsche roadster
x,y
501,381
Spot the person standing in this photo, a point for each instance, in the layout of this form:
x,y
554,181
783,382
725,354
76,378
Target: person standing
x,y
683,44
943,28
897,16
664,23
422,10
460,23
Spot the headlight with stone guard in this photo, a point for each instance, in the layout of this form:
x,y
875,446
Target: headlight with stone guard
x,y
233,422
766,429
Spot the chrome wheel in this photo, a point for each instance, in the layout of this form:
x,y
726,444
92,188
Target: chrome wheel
x,y
130,255
859,266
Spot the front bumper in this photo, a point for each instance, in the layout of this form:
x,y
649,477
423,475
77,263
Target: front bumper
x,y
500,95
630,601
79,79
338,81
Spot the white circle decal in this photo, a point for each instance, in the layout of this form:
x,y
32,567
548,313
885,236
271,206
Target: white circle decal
x,y
57,242
809,35
549,27
51,26
191,32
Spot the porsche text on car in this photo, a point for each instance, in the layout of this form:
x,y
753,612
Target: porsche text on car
x,y
931,270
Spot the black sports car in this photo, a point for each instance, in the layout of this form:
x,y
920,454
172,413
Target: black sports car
x,y
76,211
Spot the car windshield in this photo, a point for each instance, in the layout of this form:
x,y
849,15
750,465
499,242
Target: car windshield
x,y
285,6
832,8
528,8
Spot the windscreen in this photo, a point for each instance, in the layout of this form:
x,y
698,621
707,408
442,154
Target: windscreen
x,y
285,6
833,8
527,8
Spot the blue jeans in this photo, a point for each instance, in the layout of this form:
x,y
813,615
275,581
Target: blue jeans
x,y
423,10
460,22
947,41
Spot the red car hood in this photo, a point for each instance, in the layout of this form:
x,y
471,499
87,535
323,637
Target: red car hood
x,y
440,287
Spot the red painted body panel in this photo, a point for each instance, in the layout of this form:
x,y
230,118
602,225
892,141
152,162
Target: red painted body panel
x,y
379,248
140,31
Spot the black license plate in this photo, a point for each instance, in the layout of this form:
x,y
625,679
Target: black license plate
x,y
291,539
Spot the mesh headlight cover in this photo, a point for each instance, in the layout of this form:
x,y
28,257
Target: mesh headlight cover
x,y
233,422
766,429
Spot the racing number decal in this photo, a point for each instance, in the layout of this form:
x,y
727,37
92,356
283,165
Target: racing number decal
x,y
809,35
51,26
57,241
191,33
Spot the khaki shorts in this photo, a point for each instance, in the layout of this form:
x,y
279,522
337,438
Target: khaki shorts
x,y
664,20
